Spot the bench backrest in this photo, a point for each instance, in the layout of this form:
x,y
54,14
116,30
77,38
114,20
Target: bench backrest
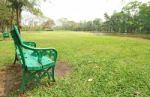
x,y
18,43
16,36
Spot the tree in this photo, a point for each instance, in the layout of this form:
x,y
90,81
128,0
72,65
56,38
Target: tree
x,y
107,23
132,10
6,17
97,23
125,21
19,5
144,17
48,24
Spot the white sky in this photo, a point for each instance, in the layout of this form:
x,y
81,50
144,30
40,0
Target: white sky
x,y
81,9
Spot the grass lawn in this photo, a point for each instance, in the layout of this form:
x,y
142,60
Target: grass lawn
x,y
115,66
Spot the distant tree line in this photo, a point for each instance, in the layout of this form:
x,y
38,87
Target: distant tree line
x,y
134,17
66,24
37,23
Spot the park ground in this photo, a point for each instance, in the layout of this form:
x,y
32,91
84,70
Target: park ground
x,y
101,66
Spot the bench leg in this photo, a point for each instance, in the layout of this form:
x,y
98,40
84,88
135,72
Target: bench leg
x,y
53,74
24,82
15,59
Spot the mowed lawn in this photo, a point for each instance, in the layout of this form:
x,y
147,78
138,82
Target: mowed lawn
x,y
102,66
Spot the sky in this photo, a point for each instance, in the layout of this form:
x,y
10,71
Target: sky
x,y
78,10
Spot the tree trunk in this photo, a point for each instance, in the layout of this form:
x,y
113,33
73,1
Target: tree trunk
x,y
3,27
18,13
12,18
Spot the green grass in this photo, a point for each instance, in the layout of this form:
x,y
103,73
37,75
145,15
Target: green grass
x,y
119,66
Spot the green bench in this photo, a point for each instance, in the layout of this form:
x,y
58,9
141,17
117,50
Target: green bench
x,y
5,35
36,62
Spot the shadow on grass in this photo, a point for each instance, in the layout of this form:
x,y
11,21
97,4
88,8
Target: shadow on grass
x,y
10,79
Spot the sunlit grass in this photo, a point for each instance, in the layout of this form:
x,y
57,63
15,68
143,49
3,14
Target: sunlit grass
x,y
118,66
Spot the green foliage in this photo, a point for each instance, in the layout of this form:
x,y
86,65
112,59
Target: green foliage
x,y
11,9
144,17
30,5
134,17
94,25
18,5
6,17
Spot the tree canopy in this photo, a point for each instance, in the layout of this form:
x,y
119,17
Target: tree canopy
x,y
9,7
134,17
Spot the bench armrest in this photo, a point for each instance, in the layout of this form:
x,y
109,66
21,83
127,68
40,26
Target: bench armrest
x,y
29,43
51,52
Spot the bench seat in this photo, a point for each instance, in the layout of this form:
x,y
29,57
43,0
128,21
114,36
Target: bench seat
x,y
32,61
33,64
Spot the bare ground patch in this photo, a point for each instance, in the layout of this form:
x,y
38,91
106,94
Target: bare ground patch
x,y
10,77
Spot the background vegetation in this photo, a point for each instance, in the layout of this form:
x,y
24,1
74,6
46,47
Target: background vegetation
x,y
10,12
134,17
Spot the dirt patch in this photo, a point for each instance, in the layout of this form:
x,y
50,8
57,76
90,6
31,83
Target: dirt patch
x,y
10,77
62,69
